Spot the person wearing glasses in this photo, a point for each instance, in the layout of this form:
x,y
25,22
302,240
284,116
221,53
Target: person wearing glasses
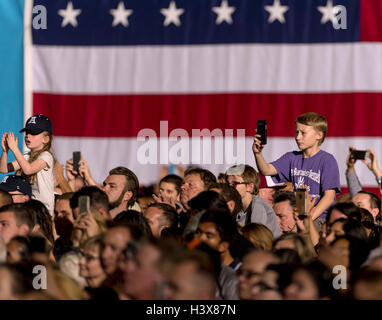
x,y
255,209
18,187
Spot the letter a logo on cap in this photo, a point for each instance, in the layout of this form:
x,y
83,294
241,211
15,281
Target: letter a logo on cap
x,y
32,120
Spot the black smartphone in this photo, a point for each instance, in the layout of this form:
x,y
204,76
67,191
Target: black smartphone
x,y
76,160
262,130
83,204
358,154
301,203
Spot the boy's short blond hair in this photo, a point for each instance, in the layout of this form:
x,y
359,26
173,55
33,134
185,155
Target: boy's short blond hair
x,y
317,121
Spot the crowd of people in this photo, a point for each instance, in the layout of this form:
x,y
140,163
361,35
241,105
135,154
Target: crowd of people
x,y
193,236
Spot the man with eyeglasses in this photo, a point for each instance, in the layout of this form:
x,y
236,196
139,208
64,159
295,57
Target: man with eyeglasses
x,y
255,209
18,187
251,271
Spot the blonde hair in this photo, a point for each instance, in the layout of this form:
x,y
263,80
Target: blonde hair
x,y
317,121
32,157
259,235
102,226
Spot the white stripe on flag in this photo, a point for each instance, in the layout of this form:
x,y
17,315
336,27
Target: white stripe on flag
x,y
209,69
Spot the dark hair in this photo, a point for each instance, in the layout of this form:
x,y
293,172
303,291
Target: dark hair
x,y
22,214
64,196
240,246
355,229
206,176
288,256
229,193
132,182
169,216
281,196
172,233
224,223
98,198
5,198
359,251
22,277
349,209
208,200
25,253
42,218
173,179
137,223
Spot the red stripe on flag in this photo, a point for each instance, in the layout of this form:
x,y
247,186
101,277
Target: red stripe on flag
x,y
371,23
348,114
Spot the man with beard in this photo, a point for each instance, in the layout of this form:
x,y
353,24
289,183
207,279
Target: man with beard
x,y
121,187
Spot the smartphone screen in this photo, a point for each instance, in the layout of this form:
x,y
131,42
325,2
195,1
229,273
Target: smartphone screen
x,y
262,130
76,160
301,201
83,204
358,154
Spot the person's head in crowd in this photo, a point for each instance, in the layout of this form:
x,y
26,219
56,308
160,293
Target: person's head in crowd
x,y
161,216
268,188
218,229
369,201
121,187
335,229
367,285
231,196
221,178
114,241
15,220
144,197
19,250
18,187
90,262
288,256
170,186
173,233
69,263
313,281
195,181
367,221
5,198
98,201
16,281
245,180
138,224
260,236
43,220
254,264
63,215
143,277
350,227
268,288
313,121
192,277
346,210
284,205
295,241
350,252
207,200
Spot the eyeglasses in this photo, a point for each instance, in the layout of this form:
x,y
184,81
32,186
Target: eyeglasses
x,y
88,257
234,184
248,274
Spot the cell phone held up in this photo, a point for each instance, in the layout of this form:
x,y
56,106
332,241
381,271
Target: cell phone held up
x,y
358,155
83,204
262,130
301,196
76,160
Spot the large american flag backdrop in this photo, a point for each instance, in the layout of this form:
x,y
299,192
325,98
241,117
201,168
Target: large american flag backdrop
x,y
105,69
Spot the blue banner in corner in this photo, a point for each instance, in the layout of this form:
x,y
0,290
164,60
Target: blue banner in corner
x,y
12,69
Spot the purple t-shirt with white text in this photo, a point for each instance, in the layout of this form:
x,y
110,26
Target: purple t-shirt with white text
x,y
319,173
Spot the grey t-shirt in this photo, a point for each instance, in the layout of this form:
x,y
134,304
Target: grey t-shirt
x,y
260,212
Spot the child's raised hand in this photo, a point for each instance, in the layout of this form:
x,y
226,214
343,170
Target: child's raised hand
x,y
4,144
11,141
257,147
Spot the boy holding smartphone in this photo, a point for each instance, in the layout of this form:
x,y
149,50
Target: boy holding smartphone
x,y
310,167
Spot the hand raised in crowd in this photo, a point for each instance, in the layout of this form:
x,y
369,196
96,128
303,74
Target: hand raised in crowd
x,y
257,147
4,144
11,141
85,222
70,173
372,164
350,162
83,169
161,198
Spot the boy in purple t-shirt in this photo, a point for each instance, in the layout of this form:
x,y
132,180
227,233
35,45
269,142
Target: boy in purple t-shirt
x,y
311,167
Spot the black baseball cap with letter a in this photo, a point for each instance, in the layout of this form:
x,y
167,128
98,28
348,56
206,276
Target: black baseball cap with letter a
x,y
37,124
